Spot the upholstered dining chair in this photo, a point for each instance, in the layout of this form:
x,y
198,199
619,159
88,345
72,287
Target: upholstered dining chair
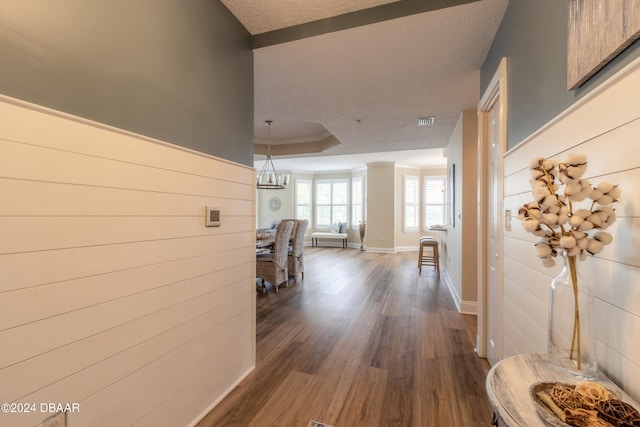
x,y
295,261
273,267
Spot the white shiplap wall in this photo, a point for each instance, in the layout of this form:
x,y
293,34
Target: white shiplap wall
x,y
604,125
113,293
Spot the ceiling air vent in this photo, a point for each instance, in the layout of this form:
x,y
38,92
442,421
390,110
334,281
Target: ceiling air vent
x,y
426,121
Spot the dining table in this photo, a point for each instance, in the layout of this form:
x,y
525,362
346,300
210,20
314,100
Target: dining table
x,y
264,244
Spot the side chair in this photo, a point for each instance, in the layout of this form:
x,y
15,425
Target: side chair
x,y
295,262
273,267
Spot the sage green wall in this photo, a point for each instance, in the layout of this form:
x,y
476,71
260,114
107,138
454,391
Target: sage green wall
x,y
533,37
179,71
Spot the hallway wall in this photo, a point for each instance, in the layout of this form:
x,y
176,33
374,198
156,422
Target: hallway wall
x,y
178,71
113,293
460,240
604,125
533,36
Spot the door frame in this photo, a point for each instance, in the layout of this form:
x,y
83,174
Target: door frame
x,y
497,89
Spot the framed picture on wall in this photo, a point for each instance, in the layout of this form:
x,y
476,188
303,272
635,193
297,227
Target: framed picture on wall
x,y
451,195
598,31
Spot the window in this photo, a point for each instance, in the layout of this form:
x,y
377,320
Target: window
x,y
410,200
357,198
435,206
331,202
303,199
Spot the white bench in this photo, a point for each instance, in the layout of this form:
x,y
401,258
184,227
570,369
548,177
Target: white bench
x,y
330,236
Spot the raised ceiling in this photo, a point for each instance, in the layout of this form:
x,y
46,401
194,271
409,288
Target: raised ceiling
x,y
367,82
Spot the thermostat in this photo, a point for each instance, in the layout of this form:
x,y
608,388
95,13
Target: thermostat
x,y
212,217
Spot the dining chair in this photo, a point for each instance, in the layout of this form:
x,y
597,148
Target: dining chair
x,y
272,267
295,260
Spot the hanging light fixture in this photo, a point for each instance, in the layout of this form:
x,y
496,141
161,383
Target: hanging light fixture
x,y
269,178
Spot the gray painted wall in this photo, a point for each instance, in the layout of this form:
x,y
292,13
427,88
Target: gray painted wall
x,y
533,37
179,71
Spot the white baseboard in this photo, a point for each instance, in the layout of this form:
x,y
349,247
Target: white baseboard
x,y
381,250
465,307
406,248
392,250
444,275
221,397
469,307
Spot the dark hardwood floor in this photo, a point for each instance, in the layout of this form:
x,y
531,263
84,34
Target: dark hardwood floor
x,y
363,340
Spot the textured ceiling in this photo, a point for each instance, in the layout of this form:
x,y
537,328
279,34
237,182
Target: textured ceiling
x,y
367,85
261,16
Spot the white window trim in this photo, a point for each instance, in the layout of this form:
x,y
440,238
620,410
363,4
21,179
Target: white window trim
x,y
355,222
424,200
315,205
295,195
415,206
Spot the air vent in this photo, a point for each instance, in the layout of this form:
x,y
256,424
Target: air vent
x,y
426,121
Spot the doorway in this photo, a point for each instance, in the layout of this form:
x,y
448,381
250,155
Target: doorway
x,y
492,137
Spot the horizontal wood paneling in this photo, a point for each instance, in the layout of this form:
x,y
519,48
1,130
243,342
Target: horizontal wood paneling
x,y
615,141
210,381
521,340
114,294
52,266
108,367
625,371
18,307
616,283
52,198
599,143
604,126
76,135
610,320
605,108
51,165
534,278
181,369
73,232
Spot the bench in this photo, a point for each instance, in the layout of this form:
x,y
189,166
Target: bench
x,y
329,236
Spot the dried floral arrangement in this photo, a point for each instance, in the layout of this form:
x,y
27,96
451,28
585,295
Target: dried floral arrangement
x,y
556,187
554,216
586,403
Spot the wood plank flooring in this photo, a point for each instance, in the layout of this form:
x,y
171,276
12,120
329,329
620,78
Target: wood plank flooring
x,y
363,340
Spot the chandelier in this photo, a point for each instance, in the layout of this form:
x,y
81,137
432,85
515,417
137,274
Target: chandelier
x,y
269,178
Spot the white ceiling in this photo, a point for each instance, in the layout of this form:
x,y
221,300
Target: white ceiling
x,y
367,85
425,158
261,16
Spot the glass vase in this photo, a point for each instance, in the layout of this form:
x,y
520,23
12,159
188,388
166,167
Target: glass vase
x,y
571,345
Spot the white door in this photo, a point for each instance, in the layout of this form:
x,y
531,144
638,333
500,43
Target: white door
x,y
491,146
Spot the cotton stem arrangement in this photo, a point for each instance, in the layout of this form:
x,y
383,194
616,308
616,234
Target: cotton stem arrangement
x,y
568,213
